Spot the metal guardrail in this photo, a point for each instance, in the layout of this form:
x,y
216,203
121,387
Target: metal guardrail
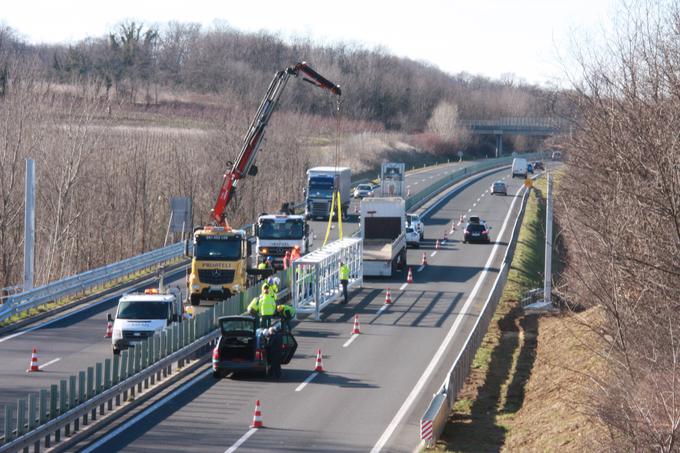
x,y
434,419
78,284
61,410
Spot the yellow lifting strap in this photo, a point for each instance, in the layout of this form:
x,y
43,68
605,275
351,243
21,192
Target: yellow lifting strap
x,y
330,216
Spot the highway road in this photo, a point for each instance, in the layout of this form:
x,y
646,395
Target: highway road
x,y
70,343
377,384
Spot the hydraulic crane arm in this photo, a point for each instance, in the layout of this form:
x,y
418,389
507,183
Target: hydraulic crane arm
x,y
253,139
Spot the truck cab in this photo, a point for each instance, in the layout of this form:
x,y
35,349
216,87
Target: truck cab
x,y
276,234
143,315
219,264
321,184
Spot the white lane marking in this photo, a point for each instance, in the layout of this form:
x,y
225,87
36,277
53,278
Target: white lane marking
x,y
243,438
415,183
408,186
444,242
433,253
422,266
351,339
402,287
383,308
445,344
49,363
479,199
469,209
152,408
432,176
474,204
307,381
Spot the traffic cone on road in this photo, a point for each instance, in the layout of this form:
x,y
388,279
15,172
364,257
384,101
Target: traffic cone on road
x,y
257,417
319,366
109,328
424,260
388,298
462,218
437,246
408,193
446,238
453,227
34,362
356,330
409,277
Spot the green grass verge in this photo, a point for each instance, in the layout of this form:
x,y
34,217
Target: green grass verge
x,y
494,391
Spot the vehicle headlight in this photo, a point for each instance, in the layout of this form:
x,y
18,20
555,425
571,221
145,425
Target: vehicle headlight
x,y
264,250
117,334
237,287
195,287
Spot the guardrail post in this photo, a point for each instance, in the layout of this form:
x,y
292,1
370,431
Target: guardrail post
x,y
138,363
44,410
81,393
99,384
107,379
54,395
21,417
9,409
32,417
90,389
124,370
62,407
145,360
152,356
72,401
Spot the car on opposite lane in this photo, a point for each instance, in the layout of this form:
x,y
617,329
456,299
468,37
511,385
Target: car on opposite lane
x,y
499,187
363,190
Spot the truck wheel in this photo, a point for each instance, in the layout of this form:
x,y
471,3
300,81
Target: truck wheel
x,y
195,299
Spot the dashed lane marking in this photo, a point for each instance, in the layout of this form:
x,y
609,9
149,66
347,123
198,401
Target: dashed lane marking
x,y
240,442
309,379
49,363
433,253
422,266
351,339
402,287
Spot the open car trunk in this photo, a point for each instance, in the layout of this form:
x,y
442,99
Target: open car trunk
x,y
237,342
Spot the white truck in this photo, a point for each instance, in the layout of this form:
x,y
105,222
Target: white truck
x,y
519,167
392,179
383,230
143,315
278,233
321,183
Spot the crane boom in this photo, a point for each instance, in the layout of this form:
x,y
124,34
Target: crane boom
x,y
253,139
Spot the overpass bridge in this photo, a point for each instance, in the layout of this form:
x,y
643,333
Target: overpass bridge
x,y
536,127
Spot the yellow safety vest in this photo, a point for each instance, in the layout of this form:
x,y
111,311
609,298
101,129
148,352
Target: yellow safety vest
x,y
262,266
344,272
267,305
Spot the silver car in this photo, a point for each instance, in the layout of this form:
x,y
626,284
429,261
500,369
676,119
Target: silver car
x,y
499,187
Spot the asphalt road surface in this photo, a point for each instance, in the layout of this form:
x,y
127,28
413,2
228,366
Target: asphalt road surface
x,y
376,385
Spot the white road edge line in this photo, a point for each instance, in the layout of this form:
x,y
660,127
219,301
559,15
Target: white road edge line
x,y
422,266
243,438
309,379
351,339
401,413
49,363
403,287
149,410
433,253
383,308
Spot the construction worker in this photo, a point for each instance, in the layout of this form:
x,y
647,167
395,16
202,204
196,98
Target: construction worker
x,y
188,312
344,279
286,260
295,254
266,264
273,287
286,312
266,306
274,351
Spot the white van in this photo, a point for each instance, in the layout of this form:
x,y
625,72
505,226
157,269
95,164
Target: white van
x,y
519,167
142,315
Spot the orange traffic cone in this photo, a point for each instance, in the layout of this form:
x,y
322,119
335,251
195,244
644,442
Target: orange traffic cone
x,y
409,277
424,260
462,218
257,416
388,298
319,366
109,329
437,246
453,227
356,325
34,362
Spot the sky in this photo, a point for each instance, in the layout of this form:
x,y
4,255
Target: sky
x,y
529,39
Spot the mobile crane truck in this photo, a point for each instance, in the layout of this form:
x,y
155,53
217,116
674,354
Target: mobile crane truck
x,y
219,265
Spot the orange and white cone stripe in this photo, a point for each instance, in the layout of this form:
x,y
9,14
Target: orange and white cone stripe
x,y
356,329
34,362
319,365
257,416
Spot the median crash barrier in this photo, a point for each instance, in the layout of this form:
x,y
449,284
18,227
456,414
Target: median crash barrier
x,y
434,419
316,277
53,414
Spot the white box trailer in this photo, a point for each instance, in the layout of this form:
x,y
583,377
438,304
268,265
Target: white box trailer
x,y
383,231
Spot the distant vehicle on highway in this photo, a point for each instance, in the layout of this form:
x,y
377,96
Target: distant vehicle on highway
x,y
519,167
556,155
499,187
476,230
530,168
538,165
412,237
363,190
413,220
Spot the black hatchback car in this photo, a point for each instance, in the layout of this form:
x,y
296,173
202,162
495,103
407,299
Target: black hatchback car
x,y
476,232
